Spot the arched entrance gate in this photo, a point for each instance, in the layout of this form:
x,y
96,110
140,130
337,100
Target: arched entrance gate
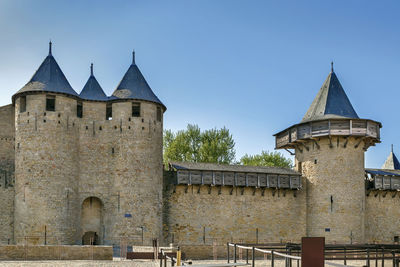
x,y
92,221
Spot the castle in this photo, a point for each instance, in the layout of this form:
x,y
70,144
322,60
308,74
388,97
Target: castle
x,y
87,169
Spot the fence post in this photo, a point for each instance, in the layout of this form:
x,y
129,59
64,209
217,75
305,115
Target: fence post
x,y
253,256
178,257
383,257
227,244
215,250
345,257
290,259
234,255
376,257
368,263
247,256
165,260
25,249
394,260
161,258
286,259
272,258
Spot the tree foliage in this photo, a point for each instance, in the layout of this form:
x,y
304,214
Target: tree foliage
x,y
272,159
193,145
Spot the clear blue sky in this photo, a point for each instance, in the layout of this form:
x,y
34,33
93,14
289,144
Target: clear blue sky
x,y
252,66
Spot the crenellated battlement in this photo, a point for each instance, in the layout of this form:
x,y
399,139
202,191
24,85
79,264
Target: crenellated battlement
x,y
93,120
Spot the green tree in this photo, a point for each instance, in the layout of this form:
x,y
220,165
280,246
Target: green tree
x,y
272,159
193,145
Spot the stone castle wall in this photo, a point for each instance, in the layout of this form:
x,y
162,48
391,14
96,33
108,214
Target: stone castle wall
x,y
382,215
62,160
7,134
335,188
121,164
46,253
199,217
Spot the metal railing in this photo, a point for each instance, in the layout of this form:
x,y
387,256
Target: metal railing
x,y
164,258
370,253
274,252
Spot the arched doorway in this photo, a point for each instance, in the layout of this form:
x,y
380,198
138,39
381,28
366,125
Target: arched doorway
x,y
92,221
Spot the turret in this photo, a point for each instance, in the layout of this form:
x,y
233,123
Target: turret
x,y
391,163
329,146
138,115
46,158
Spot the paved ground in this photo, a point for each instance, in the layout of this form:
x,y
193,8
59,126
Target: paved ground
x,y
146,263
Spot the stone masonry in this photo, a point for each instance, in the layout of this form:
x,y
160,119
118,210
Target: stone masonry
x,y
67,176
62,160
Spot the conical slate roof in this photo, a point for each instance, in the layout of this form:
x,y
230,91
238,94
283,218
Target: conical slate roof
x,y
391,163
49,78
134,86
92,89
330,102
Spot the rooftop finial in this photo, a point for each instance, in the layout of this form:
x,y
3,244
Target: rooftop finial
x,y
133,57
392,148
50,43
91,69
331,66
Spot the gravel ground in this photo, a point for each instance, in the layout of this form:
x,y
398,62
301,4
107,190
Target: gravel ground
x,y
147,263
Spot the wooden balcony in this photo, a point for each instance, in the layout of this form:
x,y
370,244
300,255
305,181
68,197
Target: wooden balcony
x,y
332,127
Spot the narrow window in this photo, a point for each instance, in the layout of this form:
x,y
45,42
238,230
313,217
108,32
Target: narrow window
x,y
158,114
50,103
135,109
22,104
109,112
299,167
79,110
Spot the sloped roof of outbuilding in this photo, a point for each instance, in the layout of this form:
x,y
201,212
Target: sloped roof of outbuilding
x,y
330,102
134,86
49,78
383,172
199,166
92,89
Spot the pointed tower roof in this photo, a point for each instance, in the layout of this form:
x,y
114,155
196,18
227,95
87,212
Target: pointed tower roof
x,y
92,89
330,102
48,78
134,86
391,163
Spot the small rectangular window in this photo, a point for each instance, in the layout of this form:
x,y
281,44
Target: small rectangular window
x,y
50,103
22,104
79,110
158,114
109,112
135,109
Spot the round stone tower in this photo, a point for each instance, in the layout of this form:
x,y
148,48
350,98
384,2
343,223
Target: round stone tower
x,y
329,146
46,159
137,116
